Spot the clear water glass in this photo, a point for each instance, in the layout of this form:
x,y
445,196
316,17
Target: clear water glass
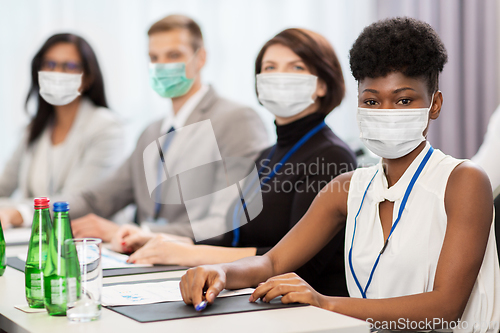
x,y
84,295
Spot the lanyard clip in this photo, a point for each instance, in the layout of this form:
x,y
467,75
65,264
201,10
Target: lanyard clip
x,y
385,245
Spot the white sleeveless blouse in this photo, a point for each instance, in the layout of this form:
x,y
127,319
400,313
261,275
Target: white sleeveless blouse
x,y
408,264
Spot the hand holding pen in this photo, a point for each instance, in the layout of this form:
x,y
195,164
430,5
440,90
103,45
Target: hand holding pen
x,y
196,280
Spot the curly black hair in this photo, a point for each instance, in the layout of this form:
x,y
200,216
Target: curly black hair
x,y
398,44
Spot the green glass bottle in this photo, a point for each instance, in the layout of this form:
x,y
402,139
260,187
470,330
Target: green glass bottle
x,y
56,269
3,259
37,253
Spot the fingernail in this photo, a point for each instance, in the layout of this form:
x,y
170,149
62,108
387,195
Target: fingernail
x,y
251,298
264,300
123,243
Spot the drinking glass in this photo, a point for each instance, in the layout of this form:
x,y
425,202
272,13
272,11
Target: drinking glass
x,y
84,291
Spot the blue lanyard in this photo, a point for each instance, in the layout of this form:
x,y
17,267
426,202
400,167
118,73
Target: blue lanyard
x,y
164,148
237,214
401,209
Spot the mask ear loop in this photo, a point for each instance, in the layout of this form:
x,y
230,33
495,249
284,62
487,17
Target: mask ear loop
x,y
194,55
191,59
432,99
428,111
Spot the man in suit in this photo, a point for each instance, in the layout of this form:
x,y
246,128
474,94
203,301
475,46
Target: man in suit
x,y
238,130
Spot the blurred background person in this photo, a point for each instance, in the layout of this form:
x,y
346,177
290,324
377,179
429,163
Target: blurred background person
x,y
488,155
73,140
177,57
299,80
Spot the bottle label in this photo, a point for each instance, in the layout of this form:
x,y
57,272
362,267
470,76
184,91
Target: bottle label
x,y
36,285
57,295
71,284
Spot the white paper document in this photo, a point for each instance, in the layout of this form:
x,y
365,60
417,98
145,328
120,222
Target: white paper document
x,y
111,259
17,235
152,292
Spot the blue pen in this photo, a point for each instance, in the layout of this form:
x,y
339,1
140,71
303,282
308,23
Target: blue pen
x,y
201,306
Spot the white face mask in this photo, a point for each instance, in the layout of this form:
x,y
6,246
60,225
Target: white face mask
x,y
286,94
392,133
59,88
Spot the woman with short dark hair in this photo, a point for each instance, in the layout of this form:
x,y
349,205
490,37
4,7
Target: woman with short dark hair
x,y
420,248
73,140
299,80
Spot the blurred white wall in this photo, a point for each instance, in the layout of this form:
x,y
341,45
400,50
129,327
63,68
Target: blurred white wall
x,y
234,32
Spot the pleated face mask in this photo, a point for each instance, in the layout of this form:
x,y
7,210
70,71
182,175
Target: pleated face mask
x,y
286,94
169,80
59,88
392,133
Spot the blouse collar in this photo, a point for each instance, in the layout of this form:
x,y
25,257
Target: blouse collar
x,y
397,191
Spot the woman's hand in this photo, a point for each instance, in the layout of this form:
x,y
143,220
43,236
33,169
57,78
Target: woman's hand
x,y
166,250
203,282
129,238
10,217
291,287
92,225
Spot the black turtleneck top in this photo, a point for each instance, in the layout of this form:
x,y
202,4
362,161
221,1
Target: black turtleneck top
x,y
289,194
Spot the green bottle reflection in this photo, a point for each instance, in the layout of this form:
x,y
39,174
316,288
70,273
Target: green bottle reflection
x,y
73,273
61,277
3,260
37,253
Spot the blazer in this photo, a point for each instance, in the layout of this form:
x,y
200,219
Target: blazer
x,y
91,150
239,132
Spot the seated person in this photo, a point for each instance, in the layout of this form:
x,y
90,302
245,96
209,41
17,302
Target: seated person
x,y
299,80
177,57
488,155
419,241
72,142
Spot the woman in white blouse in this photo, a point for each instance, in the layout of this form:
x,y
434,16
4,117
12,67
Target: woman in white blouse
x,y
420,249
72,142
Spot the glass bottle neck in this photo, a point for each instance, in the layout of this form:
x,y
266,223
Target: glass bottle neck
x,y
40,218
2,239
62,225
61,215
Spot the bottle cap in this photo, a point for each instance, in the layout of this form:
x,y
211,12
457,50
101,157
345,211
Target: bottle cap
x,y
42,203
61,206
